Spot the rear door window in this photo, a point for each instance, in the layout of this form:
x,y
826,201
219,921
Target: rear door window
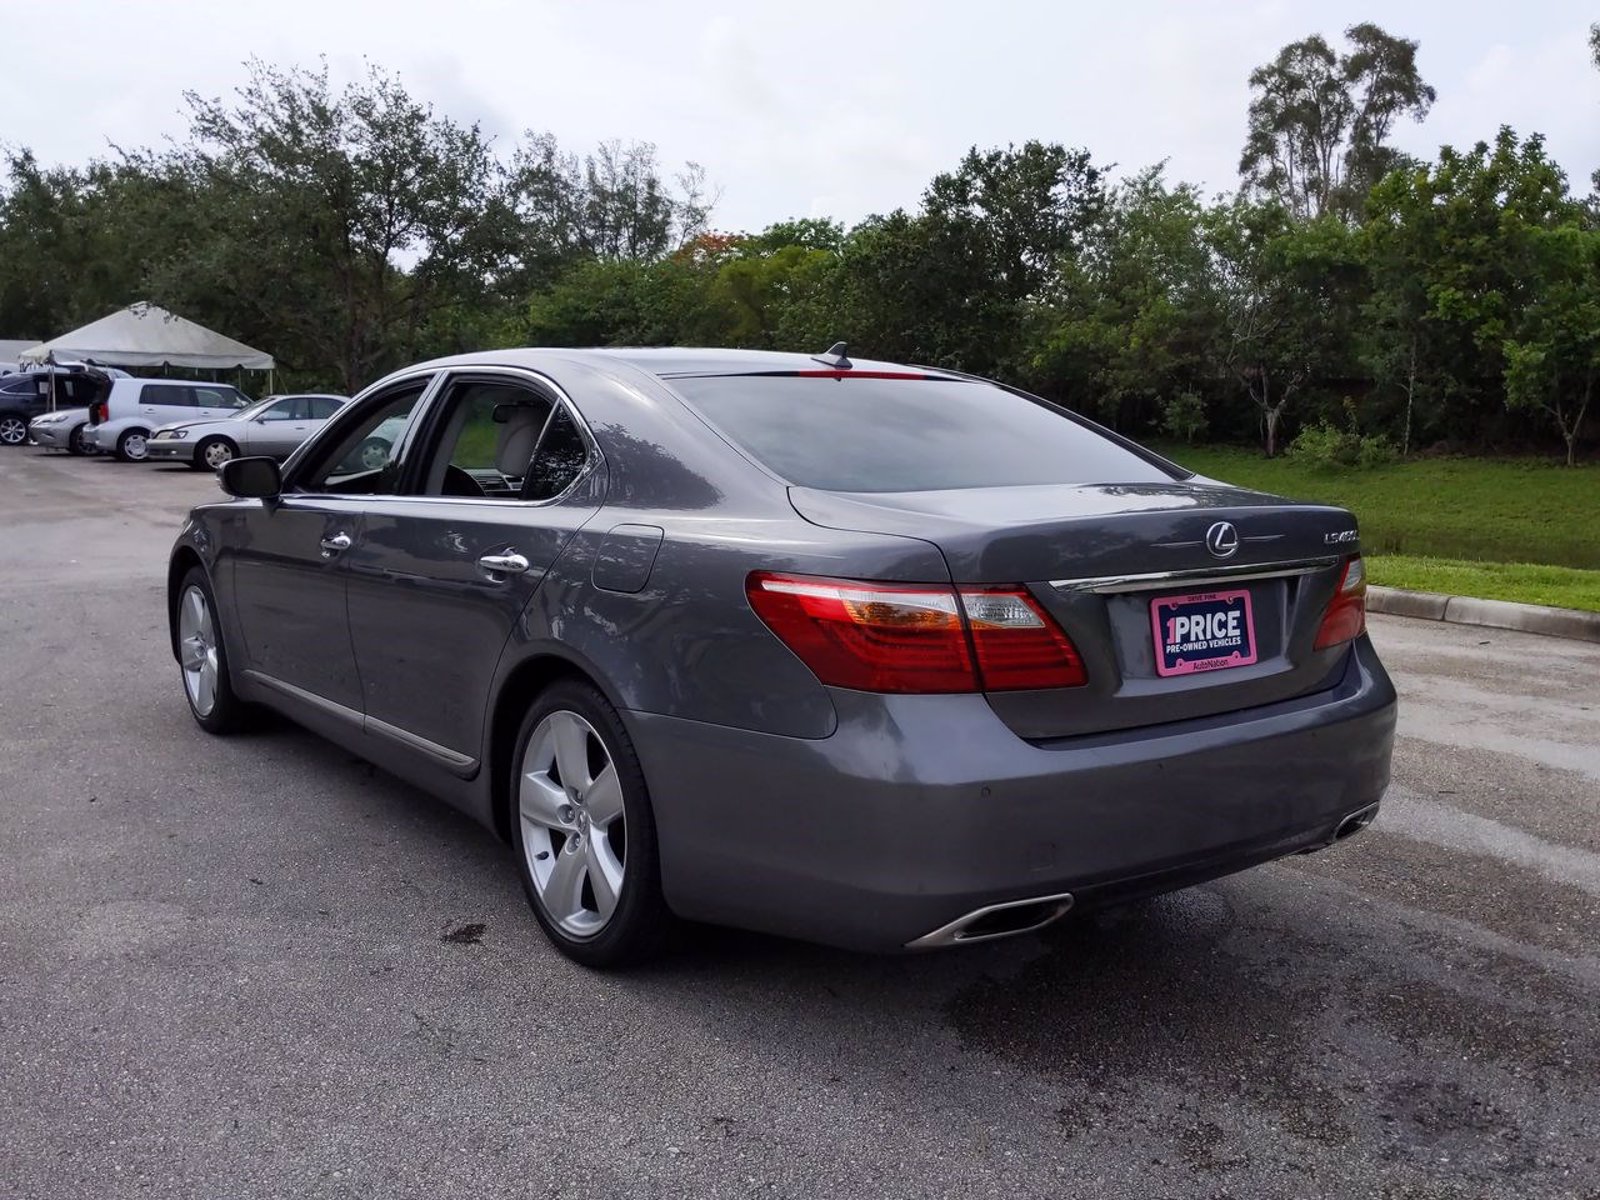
x,y
167,395
220,397
291,408
907,435
559,460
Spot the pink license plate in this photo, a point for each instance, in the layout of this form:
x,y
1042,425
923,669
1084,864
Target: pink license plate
x,y
1203,631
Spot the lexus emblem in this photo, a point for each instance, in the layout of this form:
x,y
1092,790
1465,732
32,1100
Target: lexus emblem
x,y
1222,539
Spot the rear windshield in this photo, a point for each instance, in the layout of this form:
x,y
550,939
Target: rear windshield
x,y
907,435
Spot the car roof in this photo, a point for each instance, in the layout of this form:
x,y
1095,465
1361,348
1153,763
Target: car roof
x,y
669,362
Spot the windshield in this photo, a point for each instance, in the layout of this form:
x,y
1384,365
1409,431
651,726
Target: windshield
x,y
256,408
908,435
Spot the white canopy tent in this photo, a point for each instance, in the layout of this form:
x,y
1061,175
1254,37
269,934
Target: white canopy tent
x,y
10,348
146,335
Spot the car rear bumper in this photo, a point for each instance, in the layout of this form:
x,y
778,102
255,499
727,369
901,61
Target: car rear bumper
x,y
919,810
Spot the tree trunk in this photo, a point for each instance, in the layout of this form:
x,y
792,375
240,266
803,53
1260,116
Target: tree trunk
x,y
1273,413
1411,395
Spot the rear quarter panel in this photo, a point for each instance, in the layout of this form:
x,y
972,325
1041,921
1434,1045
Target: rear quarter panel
x,y
687,643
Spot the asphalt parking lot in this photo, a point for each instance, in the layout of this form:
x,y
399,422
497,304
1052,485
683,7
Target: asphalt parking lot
x,y
260,968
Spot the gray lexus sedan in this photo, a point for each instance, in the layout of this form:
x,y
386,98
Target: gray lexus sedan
x,y
874,655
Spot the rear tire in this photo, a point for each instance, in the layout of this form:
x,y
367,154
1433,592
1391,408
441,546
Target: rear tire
x,y
203,658
75,439
585,837
212,453
132,446
13,430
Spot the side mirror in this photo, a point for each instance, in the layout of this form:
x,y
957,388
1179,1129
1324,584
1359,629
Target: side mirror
x,y
250,478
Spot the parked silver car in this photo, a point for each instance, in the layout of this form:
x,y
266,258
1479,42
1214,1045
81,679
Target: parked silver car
x,y
122,422
274,427
61,430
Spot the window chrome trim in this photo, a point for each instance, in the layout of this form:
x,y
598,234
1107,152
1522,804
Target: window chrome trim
x,y
562,400
294,465
1199,576
442,379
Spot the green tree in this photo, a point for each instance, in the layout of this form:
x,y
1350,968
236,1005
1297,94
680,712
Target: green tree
x,y
953,284
1319,120
1130,319
341,222
1552,348
1400,242
1287,295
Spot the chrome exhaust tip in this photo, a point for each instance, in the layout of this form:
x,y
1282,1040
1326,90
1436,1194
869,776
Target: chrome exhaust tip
x,y
1355,822
995,921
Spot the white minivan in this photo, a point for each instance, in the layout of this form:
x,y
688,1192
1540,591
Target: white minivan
x,y
121,424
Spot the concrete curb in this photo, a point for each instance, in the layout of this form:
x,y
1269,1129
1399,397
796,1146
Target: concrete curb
x,y
1495,614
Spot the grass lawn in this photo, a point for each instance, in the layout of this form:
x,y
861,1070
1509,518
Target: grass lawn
x,y
1496,528
1563,587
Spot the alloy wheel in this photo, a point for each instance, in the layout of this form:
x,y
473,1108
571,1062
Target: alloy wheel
x,y
374,454
197,650
13,431
217,453
134,447
573,823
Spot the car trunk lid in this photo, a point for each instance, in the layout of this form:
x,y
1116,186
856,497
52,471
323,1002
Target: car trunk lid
x,y
1098,557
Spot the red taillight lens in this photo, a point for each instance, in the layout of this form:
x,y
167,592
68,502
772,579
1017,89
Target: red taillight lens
x,y
873,637
911,637
1346,618
1018,645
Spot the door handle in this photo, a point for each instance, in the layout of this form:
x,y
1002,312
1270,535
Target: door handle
x,y
511,563
335,544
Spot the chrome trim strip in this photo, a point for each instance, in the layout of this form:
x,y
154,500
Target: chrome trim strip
x,y
1155,580
951,934
442,379
456,763
452,761
322,704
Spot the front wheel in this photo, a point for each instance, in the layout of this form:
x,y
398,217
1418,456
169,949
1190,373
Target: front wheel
x,y
203,658
13,430
133,446
584,832
213,452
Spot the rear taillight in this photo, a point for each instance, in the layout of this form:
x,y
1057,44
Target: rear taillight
x,y
1346,618
1018,645
99,413
912,637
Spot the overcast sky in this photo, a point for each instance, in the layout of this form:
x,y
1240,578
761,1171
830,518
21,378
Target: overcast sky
x,y
820,108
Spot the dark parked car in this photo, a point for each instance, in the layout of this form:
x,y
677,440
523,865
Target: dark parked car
x,y
873,655
26,395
